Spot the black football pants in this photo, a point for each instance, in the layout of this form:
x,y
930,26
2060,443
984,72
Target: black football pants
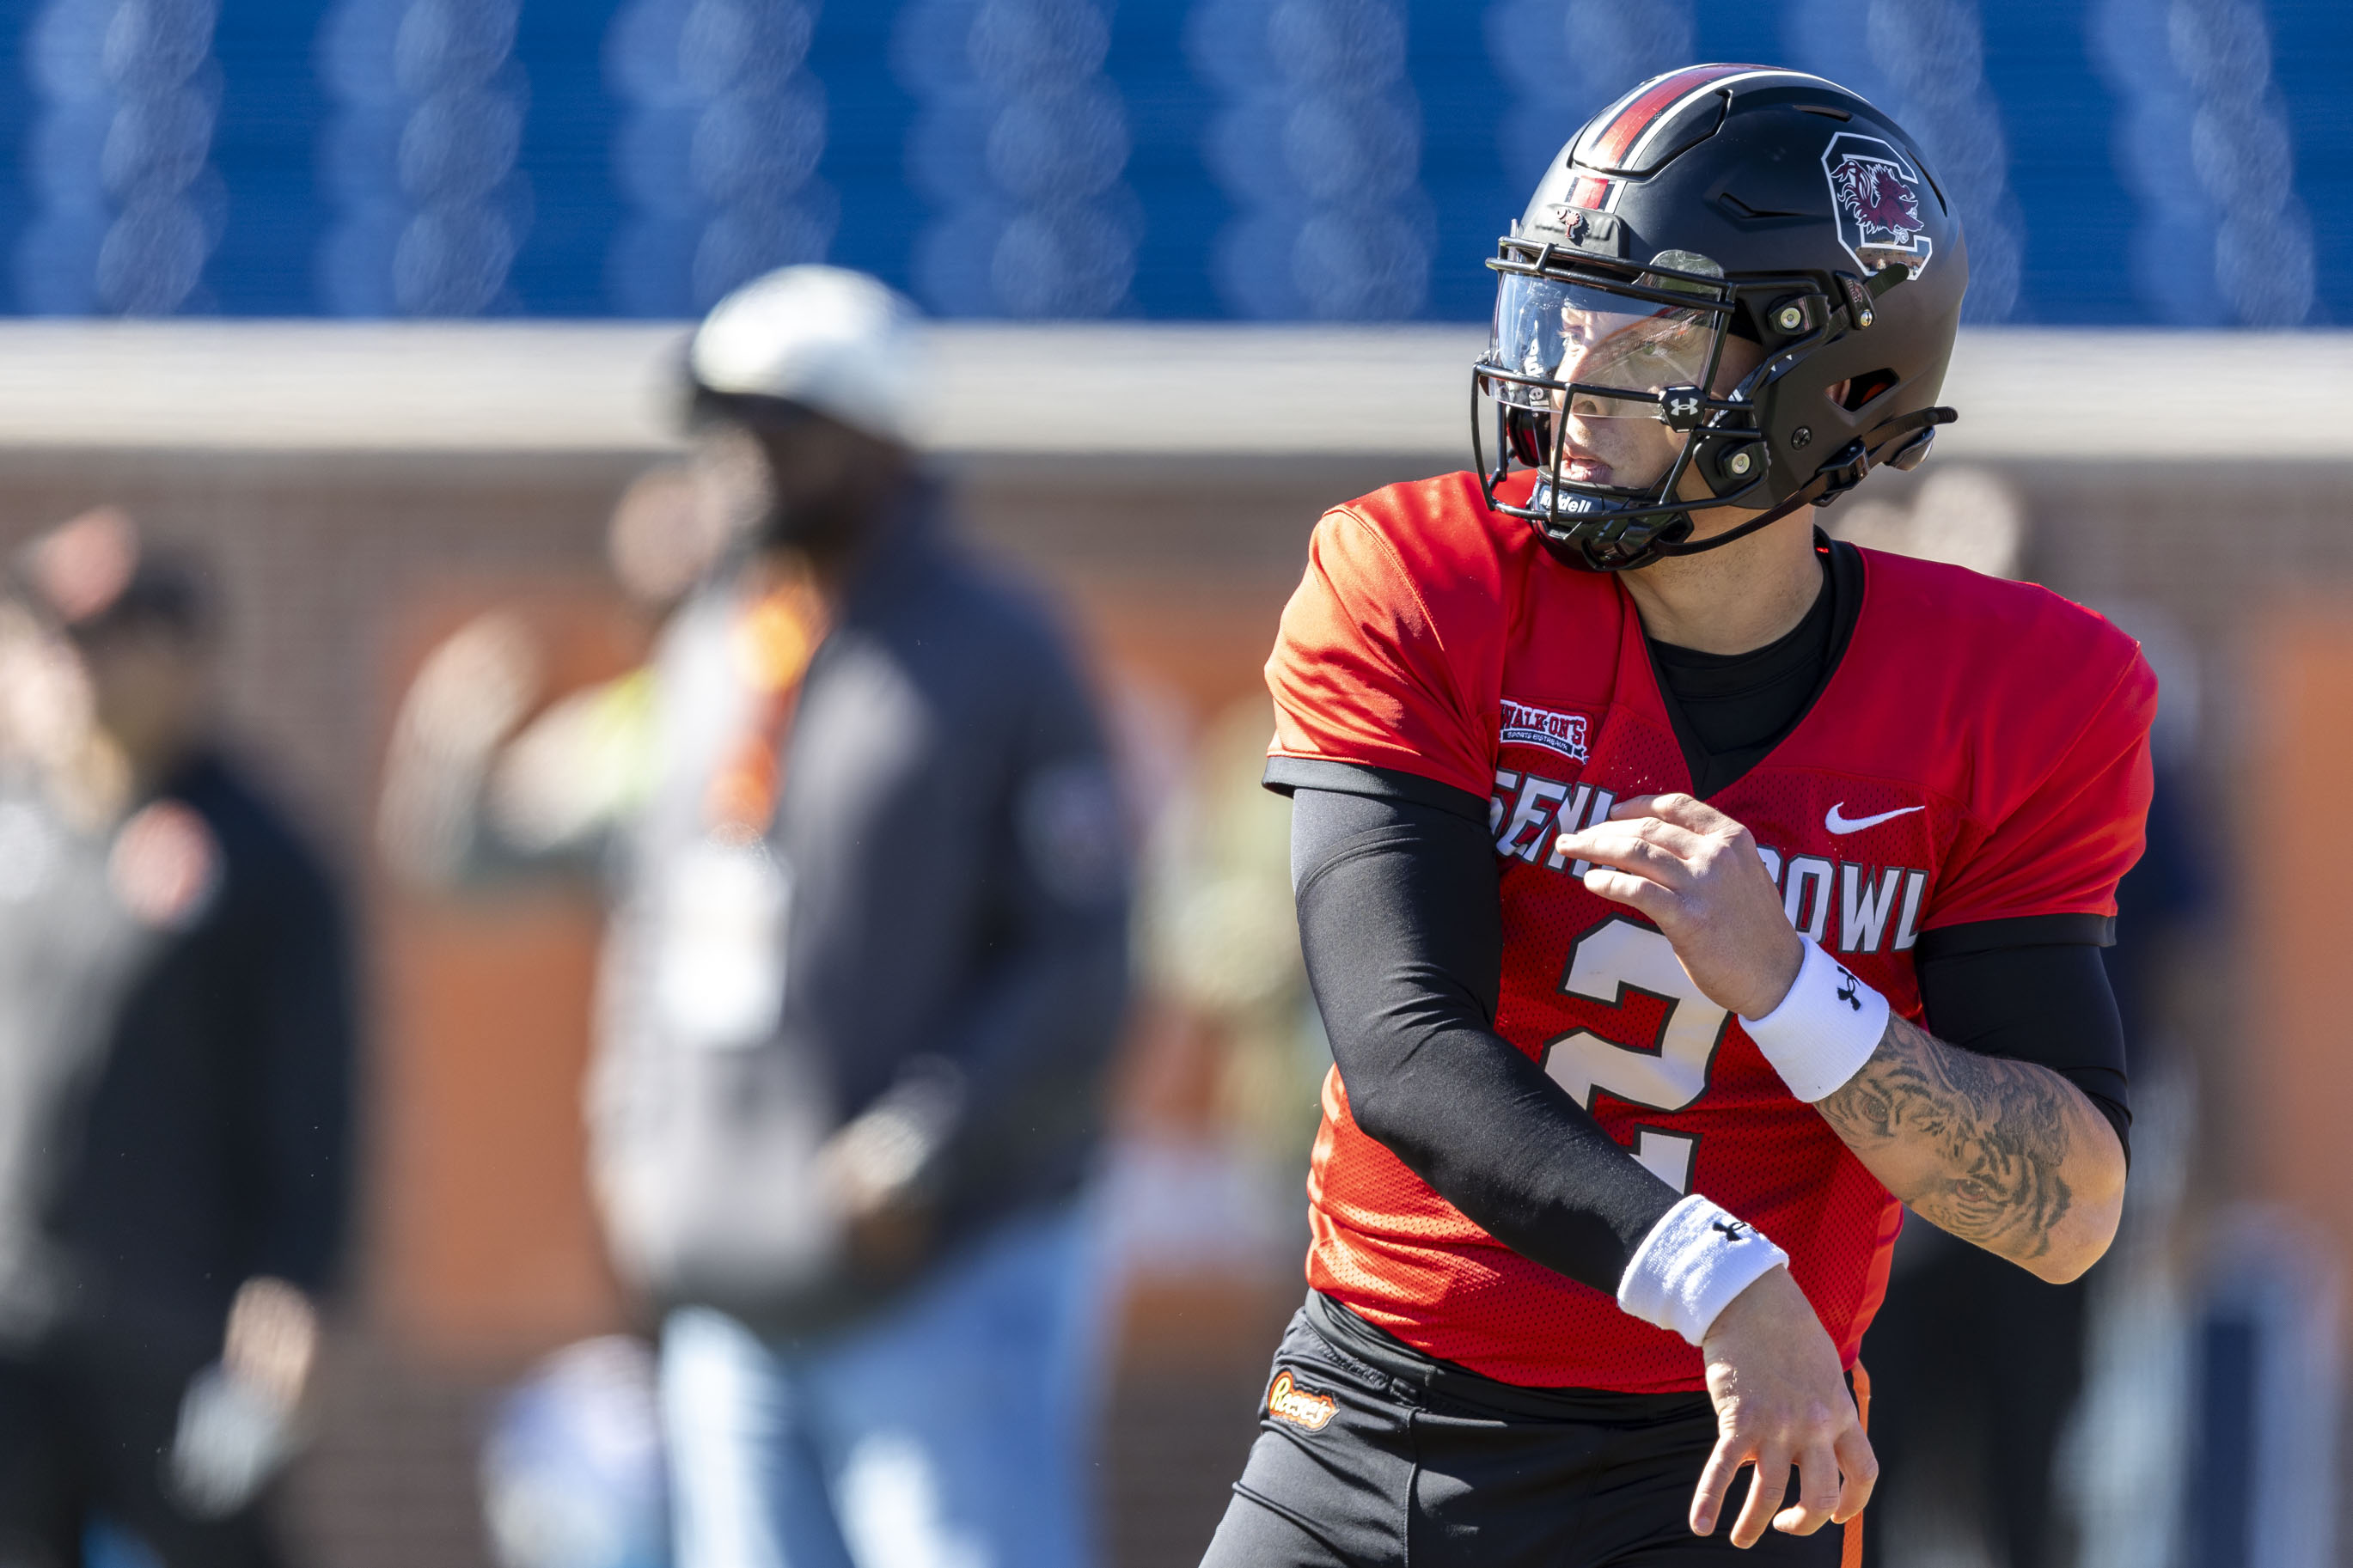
x,y
85,1425
1359,1465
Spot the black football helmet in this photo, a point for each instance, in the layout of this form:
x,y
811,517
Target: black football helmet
x,y
1713,202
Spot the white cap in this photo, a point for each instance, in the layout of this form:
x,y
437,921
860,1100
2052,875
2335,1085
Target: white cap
x,y
835,341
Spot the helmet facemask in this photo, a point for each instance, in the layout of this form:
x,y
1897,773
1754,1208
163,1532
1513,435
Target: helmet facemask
x,y
1602,341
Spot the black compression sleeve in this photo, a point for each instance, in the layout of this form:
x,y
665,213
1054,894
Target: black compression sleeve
x,y
2047,1004
1404,941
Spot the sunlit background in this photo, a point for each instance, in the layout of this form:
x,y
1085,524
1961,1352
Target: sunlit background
x,y
1206,267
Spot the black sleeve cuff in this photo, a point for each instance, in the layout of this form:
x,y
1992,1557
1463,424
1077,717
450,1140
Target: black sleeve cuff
x,y
2045,1003
2027,931
1284,775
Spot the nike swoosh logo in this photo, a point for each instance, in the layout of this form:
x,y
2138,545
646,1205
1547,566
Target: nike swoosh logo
x,y
1838,824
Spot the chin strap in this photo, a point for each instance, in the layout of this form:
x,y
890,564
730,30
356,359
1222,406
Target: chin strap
x,y
1838,476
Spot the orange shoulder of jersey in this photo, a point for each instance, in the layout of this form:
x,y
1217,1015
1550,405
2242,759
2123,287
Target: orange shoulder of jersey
x,y
2031,713
1392,650
1989,658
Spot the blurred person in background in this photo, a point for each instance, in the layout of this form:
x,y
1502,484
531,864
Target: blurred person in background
x,y
866,963
176,1065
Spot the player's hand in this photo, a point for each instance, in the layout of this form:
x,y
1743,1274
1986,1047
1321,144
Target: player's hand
x,y
1780,1400
472,690
468,696
869,1167
1695,874
272,1339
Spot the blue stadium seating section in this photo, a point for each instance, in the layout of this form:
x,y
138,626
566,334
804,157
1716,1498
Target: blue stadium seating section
x,y
2120,161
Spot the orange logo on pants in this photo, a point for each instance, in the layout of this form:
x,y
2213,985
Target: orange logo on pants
x,y
1286,1401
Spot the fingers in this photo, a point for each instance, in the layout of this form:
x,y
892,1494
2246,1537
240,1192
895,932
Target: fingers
x,y
1860,1465
1715,1480
1835,1477
1647,848
1766,1485
1630,867
1654,902
1683,810
1819,1492
1685,834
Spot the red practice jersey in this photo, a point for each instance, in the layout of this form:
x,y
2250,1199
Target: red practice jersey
x,y
1980,752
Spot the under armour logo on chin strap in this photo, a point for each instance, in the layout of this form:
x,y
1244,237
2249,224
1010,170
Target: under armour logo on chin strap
x,y
1846,991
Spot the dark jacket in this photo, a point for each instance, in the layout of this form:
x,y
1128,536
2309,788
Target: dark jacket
x,y
940,901
175,1062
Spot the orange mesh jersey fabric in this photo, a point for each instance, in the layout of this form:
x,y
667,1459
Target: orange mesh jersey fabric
x,y
1981,753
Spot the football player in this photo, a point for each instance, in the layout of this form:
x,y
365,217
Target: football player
x,y
1685,894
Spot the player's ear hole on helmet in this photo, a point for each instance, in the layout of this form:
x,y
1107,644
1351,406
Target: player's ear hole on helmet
x,y
1853,394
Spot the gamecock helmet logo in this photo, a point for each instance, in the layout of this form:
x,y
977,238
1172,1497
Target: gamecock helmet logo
x,y
1875,192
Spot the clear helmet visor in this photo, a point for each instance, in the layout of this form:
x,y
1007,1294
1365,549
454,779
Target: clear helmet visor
x,y
1598,341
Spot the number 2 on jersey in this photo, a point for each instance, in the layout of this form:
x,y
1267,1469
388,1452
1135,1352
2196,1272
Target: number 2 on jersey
x,y
1670,1073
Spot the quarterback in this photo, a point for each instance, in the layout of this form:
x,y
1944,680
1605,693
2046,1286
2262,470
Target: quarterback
x,y
1685,894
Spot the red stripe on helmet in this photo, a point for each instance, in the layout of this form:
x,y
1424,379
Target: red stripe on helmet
x,y
1589,192
1618,137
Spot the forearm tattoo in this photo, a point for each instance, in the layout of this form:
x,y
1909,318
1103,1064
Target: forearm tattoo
x,y
1999,1133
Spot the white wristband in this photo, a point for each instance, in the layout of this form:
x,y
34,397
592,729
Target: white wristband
x,y
1824,1029
1691,1266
